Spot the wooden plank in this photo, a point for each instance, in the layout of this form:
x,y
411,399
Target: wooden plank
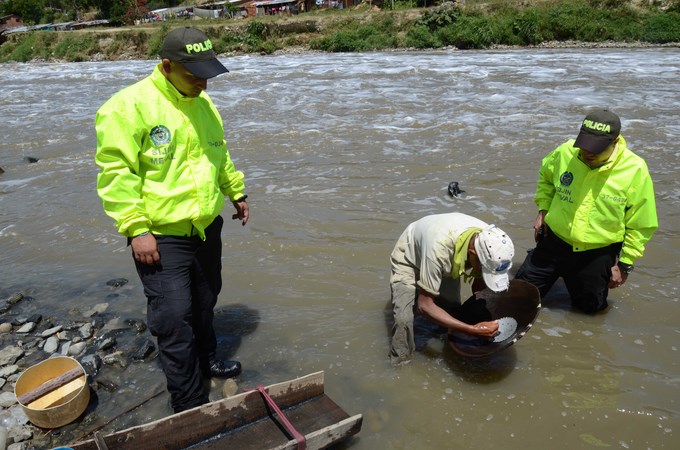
x,y
60,395
307,417
245,415
329,435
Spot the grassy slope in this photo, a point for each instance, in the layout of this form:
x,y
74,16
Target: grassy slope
x,y
330,30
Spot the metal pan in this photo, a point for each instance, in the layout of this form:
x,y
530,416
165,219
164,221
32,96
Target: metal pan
x,y
515,309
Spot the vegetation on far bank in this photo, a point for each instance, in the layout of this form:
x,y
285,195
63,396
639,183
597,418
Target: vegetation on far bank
x,y
475,25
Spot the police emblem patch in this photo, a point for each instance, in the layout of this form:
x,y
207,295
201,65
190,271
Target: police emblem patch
x,y
566,178
160,135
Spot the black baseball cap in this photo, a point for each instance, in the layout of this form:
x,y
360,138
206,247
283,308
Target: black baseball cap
x,y
598,131
193,49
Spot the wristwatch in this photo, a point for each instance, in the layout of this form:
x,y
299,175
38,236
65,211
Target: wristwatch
x,y
625,268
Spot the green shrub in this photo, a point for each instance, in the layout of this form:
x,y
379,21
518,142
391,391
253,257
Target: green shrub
x,y
341,41
268,47
662,28
565,20
530,27
421,36
75,48
504,32
256,30
377,34
469,32
20,51
229,40
44,41
440,17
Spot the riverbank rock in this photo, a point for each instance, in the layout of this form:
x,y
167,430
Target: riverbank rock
x,y
101,341
10,355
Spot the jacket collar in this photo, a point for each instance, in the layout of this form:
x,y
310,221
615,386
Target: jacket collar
x,y
613,158
166,87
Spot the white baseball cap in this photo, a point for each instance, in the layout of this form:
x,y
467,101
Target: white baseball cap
x,y
495,251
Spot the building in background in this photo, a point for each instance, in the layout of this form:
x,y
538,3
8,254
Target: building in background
x,y
10,21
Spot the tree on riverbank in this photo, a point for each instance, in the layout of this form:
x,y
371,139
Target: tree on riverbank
x,y
50,11
475,25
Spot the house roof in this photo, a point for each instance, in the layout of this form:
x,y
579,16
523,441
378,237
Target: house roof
x,y
273,2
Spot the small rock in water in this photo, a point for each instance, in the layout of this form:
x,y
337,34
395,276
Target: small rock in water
x,y
65,347
10,355
20,434
7,399
454,189
98,322
138,325
37,318
51,344
143,348
116,359
65,335
8,371
117,282
86,331
98,309
26,328
106,343
229,388
91,364
77,349
114,326
15,298
107,385
51,331
5,327
31,159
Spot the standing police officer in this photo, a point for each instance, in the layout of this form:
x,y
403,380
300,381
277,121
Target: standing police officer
x,y
165,173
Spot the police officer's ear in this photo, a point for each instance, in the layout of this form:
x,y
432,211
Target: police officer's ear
x,y
166,66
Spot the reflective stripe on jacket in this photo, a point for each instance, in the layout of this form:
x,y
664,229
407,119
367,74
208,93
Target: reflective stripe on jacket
x,y
592,208
164,162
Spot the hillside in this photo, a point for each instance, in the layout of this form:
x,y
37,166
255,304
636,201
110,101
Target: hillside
x,y
473,25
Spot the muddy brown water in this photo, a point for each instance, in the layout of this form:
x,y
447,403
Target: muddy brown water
x,y
341,152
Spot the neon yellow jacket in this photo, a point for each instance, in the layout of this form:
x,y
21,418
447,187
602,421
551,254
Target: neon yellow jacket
x,y
592,208
164,162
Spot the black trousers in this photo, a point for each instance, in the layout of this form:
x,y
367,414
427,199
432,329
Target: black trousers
x,y
181,294
586,274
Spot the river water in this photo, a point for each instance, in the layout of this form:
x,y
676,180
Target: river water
x,y
341,152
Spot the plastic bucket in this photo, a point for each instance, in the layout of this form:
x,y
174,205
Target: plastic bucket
x,y
59,406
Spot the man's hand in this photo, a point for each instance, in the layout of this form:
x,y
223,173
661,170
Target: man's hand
x,y
145,249
485,329
618,277
242,211
540,230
